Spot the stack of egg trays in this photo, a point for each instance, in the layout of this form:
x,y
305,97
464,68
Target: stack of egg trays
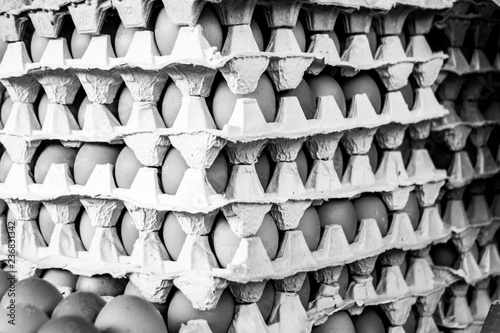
x,y
193,65
464,80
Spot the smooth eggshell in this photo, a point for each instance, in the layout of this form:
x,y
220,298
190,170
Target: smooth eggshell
x,y
263,169
257,35
127,166
123,38
338,162
373,156
102,285
266,301
5,282
28,319
445,254
411,323
81,303
408,95
310,226
60,278
343,281
368,322
35,291
372,207
302,166
226,243
413,210
305,96
181,310
54,154
225,100
305,292
45,224
171,103
341,212
218,173
339,322
68,324
5,110
173,235
128,232
86,230
125,104
362,84
300,35
3,48
90,155
132,314
166,31
324,85
38,45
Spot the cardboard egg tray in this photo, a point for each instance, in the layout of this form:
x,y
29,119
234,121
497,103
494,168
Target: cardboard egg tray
x,y
193,65
477,223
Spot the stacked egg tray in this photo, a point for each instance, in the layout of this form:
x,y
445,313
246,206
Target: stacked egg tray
x,y
463,87
192,65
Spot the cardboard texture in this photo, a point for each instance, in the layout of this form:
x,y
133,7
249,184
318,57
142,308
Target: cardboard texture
x,y
193,66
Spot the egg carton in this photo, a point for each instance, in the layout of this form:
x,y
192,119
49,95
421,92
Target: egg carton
x,y
361,115
248,265
12,20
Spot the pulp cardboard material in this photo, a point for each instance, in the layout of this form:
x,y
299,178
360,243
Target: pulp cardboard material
x,y
88,16
134,13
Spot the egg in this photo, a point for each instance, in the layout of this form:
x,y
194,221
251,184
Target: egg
x,y
35,291
90,155
45,224
5,281
341,212
38,45
408,95
171,103
266,301
132,314
371,207
305,292
257,35
372,40
324,85
53,154
102,285
336,41
80,42
132,289
68,324
173,235
181,310
5,165
5,110
362,84
368,322
475,252
343,281
3,48
263,169
81,303
225,100
444,254
127,166
302,166
339,322
403,266
226,243
174,166
310,226
218,174
166,31
128,232
43,106
125,104
306,98
338,162
123,39
3,206
27,318
375,274
60,278
86,230
82,110
300,35
413,210
410,325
